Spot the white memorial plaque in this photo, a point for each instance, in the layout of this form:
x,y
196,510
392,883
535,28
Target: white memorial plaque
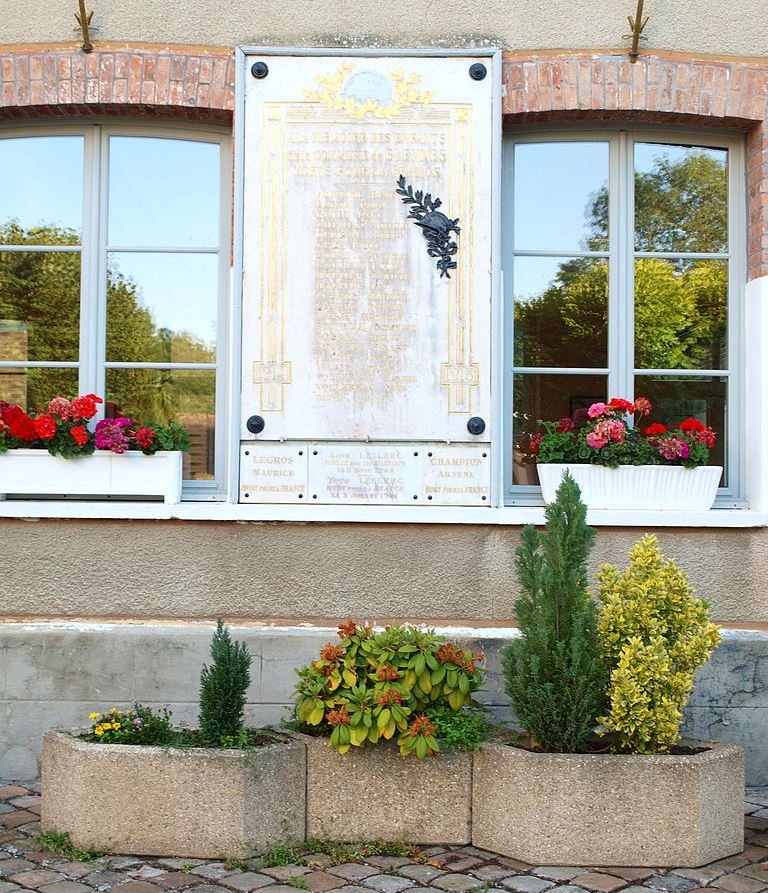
x,y
273,472
364,474
457,474
350,328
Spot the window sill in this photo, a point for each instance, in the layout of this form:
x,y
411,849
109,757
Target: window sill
x,y
507,516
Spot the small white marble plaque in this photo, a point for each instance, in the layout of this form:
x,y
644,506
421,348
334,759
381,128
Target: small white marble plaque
x,y
456,474
364,474
273,472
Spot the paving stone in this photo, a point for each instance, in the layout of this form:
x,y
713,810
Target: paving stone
x,y
628,873
209,888
66,887
320,881
352,871
388,883
281,872
465,864
173,880
557,872
632,889
36,878
12,790
40,856
525,884
569,888
107,878
515,864
754,853
738,883
347,888
599,883
24,845
388,861
148,872
17,817
702,876
246,880
7,836
758,872
177,864
212,870
671,884
142,887
730,863
33,800
490,873
5,887
424,874
14,866
457,883
317,860
756,822
118,862
73,869
6,807
433,851
754,838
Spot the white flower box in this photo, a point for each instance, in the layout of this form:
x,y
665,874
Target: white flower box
x,y
643,487
104,473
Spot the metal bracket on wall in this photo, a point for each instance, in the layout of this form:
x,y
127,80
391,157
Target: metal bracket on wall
x,y
637,24
83,19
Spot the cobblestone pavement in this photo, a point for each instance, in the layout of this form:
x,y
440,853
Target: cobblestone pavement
x,y
24,867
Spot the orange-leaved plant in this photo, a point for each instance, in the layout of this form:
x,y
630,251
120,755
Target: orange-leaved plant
x,y
375,685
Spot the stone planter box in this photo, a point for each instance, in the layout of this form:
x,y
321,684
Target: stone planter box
x,y
203,803
641,487
609,809
103,473
377,794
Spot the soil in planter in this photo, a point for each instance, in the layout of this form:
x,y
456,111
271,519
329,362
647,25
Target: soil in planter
x,y
599,744
186,739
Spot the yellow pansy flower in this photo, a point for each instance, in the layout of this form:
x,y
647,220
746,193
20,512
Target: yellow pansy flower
x,y
95,715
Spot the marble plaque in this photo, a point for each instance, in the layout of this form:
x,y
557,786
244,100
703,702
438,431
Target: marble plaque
x,y
353,327
273,472
457,474
364,474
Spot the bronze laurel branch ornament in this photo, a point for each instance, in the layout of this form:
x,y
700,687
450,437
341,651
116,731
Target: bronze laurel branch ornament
x,y
435,226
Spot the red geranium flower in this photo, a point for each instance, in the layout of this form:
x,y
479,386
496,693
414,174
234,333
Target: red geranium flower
x,y
655,428
85,407
690,425
565,425
642,406
621,403
19,423
45,426
144,436
79,435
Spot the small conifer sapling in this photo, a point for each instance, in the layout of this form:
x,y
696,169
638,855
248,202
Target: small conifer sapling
x,y
223,687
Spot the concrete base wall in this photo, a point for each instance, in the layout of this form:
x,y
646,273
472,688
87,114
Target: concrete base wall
x,y
55,674
302,572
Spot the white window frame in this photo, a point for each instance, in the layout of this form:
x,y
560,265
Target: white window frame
x,y
94,251
620,369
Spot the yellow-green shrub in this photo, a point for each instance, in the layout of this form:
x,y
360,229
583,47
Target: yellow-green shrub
x,y
654,634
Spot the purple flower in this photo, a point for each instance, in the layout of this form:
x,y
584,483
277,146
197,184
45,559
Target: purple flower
x,y
110,436
672,448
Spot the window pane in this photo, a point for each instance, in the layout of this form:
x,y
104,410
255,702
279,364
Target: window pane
x,y
35,388
681,314
39,305
561,196
163,192
544,398
674,399
561,311
681,198
41,190
162,395
162,308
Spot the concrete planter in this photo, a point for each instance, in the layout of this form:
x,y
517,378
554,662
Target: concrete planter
x,y
609,809
103,473
377,794
204,803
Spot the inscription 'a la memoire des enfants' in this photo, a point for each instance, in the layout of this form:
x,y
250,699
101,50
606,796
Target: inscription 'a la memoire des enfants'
x,y
356,326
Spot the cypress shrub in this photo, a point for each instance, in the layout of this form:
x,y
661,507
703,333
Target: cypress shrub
x,y
554,674
223,688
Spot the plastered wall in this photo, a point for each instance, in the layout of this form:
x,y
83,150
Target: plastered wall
x,y
315,572
701,26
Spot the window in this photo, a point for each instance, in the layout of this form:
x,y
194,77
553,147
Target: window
x,y
114,262
623,270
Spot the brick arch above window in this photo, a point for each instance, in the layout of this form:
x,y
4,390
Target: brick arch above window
x,y
573,87
193,83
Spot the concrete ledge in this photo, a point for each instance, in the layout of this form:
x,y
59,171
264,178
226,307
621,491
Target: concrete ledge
x,y
377,794
203,803
609,809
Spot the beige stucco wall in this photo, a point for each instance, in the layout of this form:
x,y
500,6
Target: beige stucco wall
x,y
700,26
260,571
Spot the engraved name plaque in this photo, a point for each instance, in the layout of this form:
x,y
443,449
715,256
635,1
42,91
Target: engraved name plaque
x,y
273,472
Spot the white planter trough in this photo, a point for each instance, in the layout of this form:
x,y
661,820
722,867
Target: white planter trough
x,y
37,473
646,487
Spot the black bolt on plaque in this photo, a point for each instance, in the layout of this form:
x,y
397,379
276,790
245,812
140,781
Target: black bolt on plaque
x,y
255,424
476,425
259,70
477,71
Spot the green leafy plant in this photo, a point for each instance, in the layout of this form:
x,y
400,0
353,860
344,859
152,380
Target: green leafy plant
x,y
554,674
373,686
59,842
464,729
168,437
223,687
654,634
